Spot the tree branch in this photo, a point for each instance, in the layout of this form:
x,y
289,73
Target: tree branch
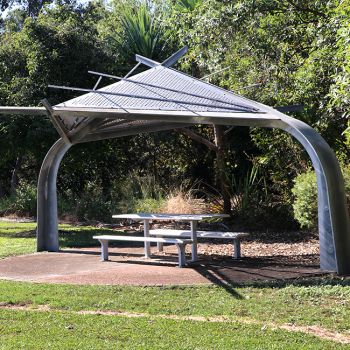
x,y
197,138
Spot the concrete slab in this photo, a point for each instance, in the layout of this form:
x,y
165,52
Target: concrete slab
x,y
127,266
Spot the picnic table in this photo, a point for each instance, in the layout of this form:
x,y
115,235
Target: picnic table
x,y
191,218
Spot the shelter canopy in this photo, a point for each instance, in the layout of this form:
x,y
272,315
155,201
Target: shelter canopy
x,y
158,97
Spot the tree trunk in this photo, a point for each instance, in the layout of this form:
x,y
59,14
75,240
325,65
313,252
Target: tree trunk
x,y
220,168
14,177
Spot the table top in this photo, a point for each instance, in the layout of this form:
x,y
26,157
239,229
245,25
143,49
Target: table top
x,y
176,217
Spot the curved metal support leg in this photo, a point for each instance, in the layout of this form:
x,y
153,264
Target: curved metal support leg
x,y
333,218
47,229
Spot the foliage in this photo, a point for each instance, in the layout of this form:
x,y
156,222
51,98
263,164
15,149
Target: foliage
x,y
276,52
31,7
305,204
142,31
91,205
148,205
26,199
305,194
346,133
187,5
139,193
23,203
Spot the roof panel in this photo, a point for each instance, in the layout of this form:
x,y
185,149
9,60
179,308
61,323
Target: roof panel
x,y
161,89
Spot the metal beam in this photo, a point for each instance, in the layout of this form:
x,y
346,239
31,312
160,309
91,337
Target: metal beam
x,y
167,63
132,70
88,126
175,57
146,61
108,134
224,118
40,111
56,121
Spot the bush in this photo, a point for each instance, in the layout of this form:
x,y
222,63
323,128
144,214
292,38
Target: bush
x,y
26,199
183,201
91,205
23,203
137,193
305,197
148,205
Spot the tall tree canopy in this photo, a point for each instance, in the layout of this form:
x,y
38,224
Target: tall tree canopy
x,y
286,52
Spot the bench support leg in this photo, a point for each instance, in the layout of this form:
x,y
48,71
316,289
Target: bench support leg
x,y
236,249
182,256
160,246
146,234
104,250
194,240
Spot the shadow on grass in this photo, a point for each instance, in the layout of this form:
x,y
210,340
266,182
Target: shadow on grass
x,y
23,234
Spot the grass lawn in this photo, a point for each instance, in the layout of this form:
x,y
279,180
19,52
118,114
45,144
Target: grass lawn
x,y
19,237
48,316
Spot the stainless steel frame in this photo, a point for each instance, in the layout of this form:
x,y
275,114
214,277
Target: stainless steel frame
x,y
334,228
91,124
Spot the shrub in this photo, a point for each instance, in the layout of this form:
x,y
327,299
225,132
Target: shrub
x,y
184,202
26,199
148,205
23,203
305,197
137,193
305,203
91,205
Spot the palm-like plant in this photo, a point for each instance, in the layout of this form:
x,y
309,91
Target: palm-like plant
x,y
142,33
187,5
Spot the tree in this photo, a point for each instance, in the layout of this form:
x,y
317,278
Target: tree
x,y
143,33
31,7
56,47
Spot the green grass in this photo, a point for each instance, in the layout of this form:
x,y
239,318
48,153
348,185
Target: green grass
x,y
19,238
53,330
323,305
248,309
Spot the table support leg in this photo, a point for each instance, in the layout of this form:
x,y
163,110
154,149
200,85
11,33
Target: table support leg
x,y
146,234
236,249
194,239
104,250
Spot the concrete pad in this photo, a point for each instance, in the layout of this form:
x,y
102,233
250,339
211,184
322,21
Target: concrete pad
x,y
79,267
127,266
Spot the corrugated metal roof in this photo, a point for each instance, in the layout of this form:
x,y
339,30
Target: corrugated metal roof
x,y
164,89
192,94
